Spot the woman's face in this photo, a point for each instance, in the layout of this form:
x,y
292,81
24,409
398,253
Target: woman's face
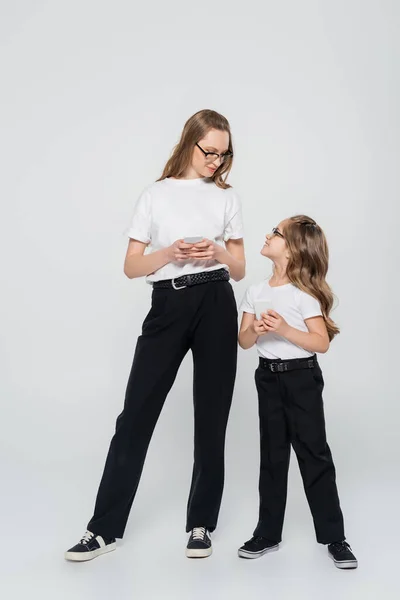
x,y
215,141
275,246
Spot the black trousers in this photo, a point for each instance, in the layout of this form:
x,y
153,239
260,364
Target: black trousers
x,y
202,318
291,413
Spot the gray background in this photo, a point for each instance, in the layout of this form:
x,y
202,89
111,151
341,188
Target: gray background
x,y
93,97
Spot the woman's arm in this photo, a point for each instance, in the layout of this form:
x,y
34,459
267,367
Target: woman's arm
x,y
138,264
250,330
232,255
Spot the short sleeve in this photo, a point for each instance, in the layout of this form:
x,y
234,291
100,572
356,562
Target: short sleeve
x,y
309,306
247,304
140,225
233,217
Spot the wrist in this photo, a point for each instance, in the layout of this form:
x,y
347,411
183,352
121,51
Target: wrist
x,y
220,253
167,253
253,329
285,331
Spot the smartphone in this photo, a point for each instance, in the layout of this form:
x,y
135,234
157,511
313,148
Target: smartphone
x,y
193,240
262,306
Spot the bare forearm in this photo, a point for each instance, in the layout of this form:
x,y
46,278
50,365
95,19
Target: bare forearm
x,y
139,265
247,338
237,267
313,342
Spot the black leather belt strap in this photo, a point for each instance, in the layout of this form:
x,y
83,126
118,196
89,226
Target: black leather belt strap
x,y
280,366
193,279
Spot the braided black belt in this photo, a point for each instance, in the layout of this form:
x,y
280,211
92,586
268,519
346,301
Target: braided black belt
x,y
280,366
193,279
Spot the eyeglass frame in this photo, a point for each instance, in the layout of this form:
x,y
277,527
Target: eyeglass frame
x,y
223,156
275,231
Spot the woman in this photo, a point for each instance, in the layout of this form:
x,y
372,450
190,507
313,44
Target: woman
x,y
193,308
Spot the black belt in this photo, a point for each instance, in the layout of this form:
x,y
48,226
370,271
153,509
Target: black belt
x,y
192,279
280,366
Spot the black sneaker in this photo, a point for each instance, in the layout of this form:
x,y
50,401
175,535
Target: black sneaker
x,y
256,547
199,544
342,555
90,546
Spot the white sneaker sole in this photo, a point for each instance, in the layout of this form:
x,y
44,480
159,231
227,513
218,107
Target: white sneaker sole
x,y
348,564
198,553
84,556
247,554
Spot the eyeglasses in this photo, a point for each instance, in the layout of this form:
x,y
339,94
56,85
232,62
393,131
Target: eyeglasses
x,y
276,231
211,156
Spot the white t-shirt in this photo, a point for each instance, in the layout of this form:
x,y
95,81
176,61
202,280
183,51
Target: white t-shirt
x,y
294,305
173,209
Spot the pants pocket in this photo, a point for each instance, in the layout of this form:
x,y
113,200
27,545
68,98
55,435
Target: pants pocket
x,y
159,304
317,375
231,296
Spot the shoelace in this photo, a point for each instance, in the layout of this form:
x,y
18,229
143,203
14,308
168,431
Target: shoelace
x,y
199,533
87,537
341,546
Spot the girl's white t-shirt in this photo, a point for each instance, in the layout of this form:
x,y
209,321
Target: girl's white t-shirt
x,y
173,209
294,305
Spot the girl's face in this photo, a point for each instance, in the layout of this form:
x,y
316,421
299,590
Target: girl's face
x,y
216,142
275,246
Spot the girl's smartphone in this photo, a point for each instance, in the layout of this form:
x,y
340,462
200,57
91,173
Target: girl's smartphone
x,y
193,240
262,306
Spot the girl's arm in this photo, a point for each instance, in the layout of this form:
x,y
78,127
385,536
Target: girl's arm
x,y
137,264
315,340
250,330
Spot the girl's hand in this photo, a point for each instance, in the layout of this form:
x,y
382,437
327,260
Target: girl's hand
x,y
206,250
274,322
179,251
259,327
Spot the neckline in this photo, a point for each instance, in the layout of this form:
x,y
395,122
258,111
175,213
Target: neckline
x,y
196,181
278,287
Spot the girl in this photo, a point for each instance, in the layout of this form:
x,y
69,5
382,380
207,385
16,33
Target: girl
x,y
288,319
193,308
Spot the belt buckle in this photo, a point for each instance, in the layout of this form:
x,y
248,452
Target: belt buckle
x,y
177,287
280,367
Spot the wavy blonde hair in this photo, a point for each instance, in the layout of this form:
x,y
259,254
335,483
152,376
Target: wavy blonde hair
x,y
308,263
194,130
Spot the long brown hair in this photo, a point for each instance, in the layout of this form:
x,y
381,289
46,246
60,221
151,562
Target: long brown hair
x,y
194,130
308,263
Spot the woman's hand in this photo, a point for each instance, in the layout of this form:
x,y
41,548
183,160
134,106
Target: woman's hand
x,y
206,250
274,322
179,251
